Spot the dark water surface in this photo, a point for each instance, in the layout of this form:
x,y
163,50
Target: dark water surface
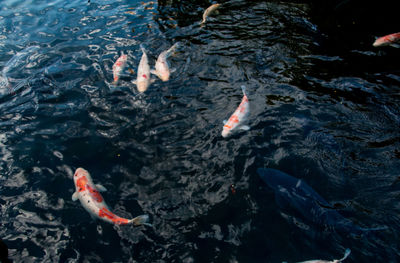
x,y
324,107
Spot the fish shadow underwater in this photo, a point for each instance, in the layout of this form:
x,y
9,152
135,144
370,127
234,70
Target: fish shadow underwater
x,y
294,195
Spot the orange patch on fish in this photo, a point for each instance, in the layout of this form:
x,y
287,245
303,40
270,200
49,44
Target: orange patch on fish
x,y
104,212
81,183
95,194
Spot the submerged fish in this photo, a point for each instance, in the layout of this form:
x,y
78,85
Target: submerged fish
x,y
162,68
16,59
143,73
88,194
118,66
238,117
346,254
387,40
298,195
209,11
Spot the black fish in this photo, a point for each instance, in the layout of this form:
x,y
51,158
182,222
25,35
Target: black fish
x,y
294,193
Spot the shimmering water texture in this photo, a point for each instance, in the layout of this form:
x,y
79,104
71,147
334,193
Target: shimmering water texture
x,y
323,109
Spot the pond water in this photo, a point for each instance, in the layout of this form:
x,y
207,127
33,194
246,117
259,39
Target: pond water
x,y
324,107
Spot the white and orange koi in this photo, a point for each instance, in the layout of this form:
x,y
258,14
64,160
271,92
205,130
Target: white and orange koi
x,y
208,12
119,66
143,73
162,68
387,40
88,194
238,117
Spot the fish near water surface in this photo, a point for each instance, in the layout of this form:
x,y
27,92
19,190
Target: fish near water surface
x,y
143,73
162,68
91,199
346,254
388,40
293,193
208,12
119,66
238,117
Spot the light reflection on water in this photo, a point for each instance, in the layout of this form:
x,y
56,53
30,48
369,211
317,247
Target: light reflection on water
x,y
321,116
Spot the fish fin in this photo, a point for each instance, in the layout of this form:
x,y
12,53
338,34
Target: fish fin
x,y
100,188
224,121
244,90
346,254
140,220
152,80
172,70
244,127
75,196
152,71
134,82
395,45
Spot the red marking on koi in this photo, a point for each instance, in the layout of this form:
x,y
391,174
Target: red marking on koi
x,y
234,119
104,212
81,183
144,76
95,194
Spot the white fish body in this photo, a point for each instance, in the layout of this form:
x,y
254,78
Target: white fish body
x,y
119,66
162,68
346,254
143,74
208,12
88,194
237,118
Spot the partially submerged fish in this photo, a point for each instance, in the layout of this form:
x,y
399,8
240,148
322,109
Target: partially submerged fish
x,y
209,11
346,254
88,194
118,66
391,39
143,73
16,59
162,68
293,193
238,117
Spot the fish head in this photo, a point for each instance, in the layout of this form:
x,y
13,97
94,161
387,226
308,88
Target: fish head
x,y
276,179
80,174
225,132
382,41
164,75
142,85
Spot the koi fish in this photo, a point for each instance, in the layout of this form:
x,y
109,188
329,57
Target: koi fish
x,y
237,117
89,195
387,40
296,196
346,254
208,12
162,68
118,66
143,73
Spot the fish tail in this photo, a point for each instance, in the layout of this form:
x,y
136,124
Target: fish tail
x,y
140,220
244,89
142,48
346,254
173,48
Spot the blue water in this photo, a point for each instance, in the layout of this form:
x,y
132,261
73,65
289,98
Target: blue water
x,y
324,108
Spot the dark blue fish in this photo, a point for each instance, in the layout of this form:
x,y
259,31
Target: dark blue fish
x,y
294,193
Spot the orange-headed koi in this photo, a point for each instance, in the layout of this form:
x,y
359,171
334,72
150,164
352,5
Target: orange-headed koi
x,y
237,118
143,73
387,40
118,66
91,199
